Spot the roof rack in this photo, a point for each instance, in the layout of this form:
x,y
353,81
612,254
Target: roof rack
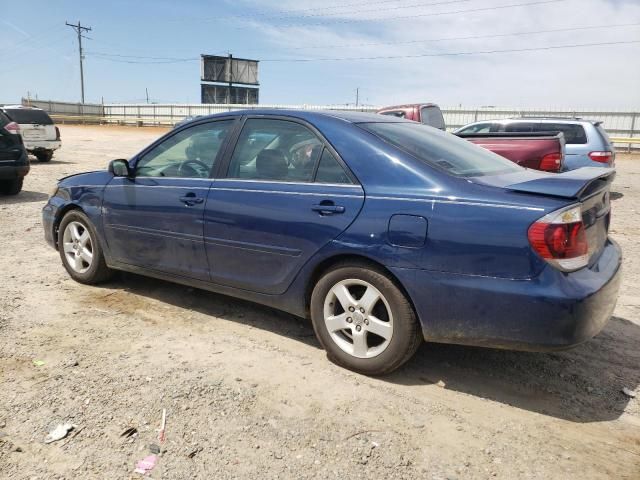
x,y
547,117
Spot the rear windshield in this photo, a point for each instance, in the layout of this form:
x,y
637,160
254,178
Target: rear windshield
x,y
573,132
26,115
432,116
442,150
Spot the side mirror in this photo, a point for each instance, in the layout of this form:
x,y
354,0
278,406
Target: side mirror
x,y
119,168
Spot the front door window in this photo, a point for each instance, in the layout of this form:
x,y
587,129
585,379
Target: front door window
x,y
190,153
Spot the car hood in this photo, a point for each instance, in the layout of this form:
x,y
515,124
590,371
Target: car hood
x,y
96,178
572,184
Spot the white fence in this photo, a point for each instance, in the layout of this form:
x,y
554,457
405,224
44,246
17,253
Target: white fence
x,y
66,108
617,123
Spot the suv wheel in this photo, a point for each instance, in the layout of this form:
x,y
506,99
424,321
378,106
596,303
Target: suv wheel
x,y
11,187
80,249
363,320
44,155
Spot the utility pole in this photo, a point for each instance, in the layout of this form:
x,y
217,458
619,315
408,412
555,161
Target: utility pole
x,y
357,96
147,92
79,29
230,78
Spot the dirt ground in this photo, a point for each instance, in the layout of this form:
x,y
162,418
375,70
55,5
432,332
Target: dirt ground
x,y
249,393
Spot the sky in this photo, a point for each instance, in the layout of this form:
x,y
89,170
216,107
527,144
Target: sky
x,y
514,53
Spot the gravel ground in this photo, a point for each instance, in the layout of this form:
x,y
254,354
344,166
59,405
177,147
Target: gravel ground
x,y
249,393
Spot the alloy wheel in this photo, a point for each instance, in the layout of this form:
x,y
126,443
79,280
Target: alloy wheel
x,y
78,249
358,318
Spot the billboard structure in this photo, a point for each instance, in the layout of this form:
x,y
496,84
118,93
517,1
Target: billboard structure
x,y
220,77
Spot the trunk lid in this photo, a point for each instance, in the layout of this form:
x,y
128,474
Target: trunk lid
x,y
588,186
32,132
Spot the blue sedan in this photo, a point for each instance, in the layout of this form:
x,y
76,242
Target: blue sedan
x,y
383,231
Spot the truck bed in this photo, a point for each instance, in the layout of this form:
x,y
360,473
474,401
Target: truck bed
x,y
537,150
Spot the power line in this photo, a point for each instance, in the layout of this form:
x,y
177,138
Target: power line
x,y
392,57
327,7
422,15
407,42
295,13
79,29
334,14
449,54
471,37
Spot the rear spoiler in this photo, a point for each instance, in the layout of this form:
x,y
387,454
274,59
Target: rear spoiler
x,y
579,184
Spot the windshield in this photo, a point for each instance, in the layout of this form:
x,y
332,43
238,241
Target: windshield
x,y
442,150
29,116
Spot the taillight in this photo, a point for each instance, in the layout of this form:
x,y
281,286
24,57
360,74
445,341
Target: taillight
x,y
602,157
560,239
551,162
12,127
57,133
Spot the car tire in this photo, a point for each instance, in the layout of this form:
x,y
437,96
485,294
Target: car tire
x,y
80,249
388,324
11,187
44,156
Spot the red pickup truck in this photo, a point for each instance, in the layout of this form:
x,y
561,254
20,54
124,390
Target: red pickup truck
x,y
539,150
427,113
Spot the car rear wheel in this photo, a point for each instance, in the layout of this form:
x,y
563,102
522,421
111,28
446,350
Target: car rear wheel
x,y
363,319
80,249
11,187
44,156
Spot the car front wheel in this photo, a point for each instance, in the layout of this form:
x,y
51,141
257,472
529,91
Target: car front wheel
x,y
80,249
363,319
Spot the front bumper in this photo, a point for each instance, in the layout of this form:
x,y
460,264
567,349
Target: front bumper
x,y
49,215
550,312
39,145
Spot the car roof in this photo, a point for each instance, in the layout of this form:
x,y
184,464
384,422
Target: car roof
x,y
311,115
539,120
408,105
19,107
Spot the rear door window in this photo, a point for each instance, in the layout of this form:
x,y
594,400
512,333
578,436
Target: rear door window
x,y
330,170
29,116
275,150
432,116
573,133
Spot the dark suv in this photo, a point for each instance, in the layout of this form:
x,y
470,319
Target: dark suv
x,y
14,163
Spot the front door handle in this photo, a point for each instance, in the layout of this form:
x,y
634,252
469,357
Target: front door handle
x,y
327,208
190,199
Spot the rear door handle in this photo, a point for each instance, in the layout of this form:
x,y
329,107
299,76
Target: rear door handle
x,y
190,199
327,208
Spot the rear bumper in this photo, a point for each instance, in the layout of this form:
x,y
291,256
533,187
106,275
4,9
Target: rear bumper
x,y
551,312
12,172
37,145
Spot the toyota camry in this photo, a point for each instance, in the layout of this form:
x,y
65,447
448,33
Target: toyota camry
x,y
384,232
